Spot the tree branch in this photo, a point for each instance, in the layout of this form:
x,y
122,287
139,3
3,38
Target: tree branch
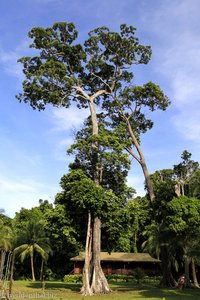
x,y
82,92
102,81
97,94
131,152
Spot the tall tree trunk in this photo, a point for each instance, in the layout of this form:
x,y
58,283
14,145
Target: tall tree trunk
x,y
194,275
41,269
182,189
140,158
135,250
187,261
32,268
11,273
167,279
86,289
99,281
94,279
2,261
178,189
148,180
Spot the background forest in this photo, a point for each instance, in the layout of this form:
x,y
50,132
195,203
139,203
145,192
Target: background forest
x,y
53,233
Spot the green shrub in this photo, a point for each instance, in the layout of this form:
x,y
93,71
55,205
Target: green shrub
x,y
119,278
48,274
72,278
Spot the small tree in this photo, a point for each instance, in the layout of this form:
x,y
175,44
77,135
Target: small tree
x,y
5,236
184,172
32,239
184,220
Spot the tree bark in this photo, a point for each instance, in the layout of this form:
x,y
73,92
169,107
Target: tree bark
x,y
32,269
140,158
135,250
178,189
99,281
11,273
41,269
194,275
148,181
167,279
2,260
86,289
187,261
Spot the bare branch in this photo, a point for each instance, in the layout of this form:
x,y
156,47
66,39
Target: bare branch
x,y
101,80
132,153
62,99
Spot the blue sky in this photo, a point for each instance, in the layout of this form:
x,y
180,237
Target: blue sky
x,y
33,144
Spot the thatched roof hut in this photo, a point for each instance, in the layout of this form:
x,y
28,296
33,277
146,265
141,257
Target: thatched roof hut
x,y
120,256
119,262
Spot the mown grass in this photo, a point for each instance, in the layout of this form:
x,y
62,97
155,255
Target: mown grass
x,y
120,291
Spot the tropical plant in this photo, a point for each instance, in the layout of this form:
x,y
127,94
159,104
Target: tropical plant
x,y
31,240
5,236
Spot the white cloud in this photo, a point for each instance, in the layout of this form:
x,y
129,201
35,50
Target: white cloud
x,y
17,193
68,119
9,58
9,62
177,55
185,87
187,122
65,124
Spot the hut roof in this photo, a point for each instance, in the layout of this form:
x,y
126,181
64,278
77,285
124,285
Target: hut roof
x,y
120,256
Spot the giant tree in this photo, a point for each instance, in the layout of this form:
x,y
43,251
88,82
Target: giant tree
x,y
63,71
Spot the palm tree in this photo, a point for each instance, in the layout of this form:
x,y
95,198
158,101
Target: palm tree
x,y
5,247
5,236
160,243
32,239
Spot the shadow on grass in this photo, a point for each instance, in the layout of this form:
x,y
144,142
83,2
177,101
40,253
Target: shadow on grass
x,y
172,294
130,286
61,286
152,291
147,291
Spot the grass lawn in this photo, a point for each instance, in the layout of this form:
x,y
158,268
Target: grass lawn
x,y
120,291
